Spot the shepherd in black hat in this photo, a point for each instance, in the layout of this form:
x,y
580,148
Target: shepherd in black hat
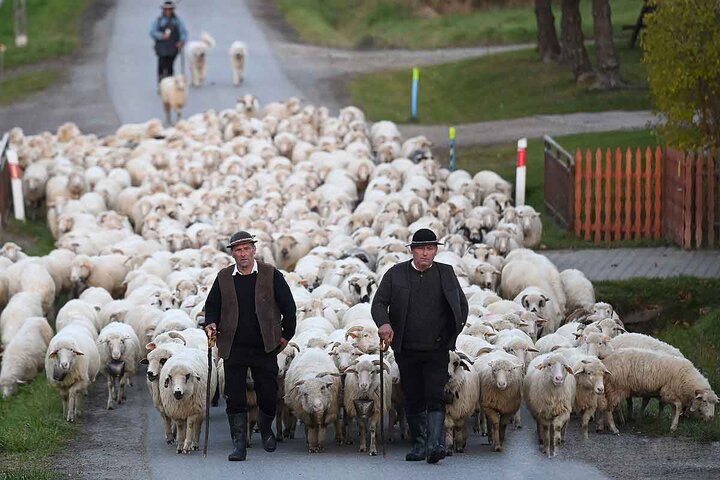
x,y
251,312
170,36
420,309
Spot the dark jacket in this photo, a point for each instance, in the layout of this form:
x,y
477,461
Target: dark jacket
x,y
390,303
274,308
178,33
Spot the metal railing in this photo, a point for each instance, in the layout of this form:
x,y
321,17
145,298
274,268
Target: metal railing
x,y
559,185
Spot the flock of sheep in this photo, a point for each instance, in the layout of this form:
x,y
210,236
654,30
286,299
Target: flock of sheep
x,y
173,90
140,219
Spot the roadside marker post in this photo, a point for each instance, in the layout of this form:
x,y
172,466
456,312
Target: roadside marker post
x,y
453,148
521,172
16,184
415,81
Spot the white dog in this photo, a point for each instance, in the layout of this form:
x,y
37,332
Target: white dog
x,y
196,54
238,54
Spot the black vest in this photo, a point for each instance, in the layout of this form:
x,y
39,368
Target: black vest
x,y
168,48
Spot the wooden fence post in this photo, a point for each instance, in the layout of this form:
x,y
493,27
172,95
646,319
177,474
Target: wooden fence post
x,y
628,195
588,193
658,189
647,177
711,198
607,220
638,193
618,194
598,194
699,190
687,202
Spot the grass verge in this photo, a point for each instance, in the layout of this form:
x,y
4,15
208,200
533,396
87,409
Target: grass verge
x,y
688,318
32,429
501,159
397,24
18,87
33,235
53,29
501,86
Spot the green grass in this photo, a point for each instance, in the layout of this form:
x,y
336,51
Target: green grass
x,y
53,30
689,319
395,23
33,235
32,429
501,86
502,158
17,87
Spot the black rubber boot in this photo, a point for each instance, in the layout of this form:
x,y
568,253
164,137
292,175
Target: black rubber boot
x,y
436,433
238,432
418,436
268,438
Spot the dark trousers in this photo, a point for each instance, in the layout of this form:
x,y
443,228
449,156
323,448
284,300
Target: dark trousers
x,y
264,370
423,377
165,67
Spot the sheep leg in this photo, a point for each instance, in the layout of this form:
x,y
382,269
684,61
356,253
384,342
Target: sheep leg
x,y
494,420
610,419
290,424
189,435
312,436
111,393
73,395
631,413
540,433
373,433
461,435
197,429
362,426
677,410
166,108
504,420
517,420
549,439
321,438
449,437
393,418
181,431
585,420
65,403
339,431
167,424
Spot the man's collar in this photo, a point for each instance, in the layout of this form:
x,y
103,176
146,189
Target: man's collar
x,y
412,262
254,269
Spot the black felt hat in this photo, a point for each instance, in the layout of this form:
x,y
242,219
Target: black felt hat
x,y
170,5
424,236
241,237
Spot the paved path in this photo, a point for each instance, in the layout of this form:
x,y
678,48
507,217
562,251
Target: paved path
x,y
624,263
131,62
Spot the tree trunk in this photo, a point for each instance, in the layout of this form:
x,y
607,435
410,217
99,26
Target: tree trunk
x,y
608,63
573,52
548,45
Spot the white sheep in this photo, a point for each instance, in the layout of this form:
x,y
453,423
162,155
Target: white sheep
x,y
462,392
362,382
238,58
72,362
549,392
501,378
21,306
184,384
24,356
642,373
312,384
119,351
590,389
106,271
638,340
531,225
156,358
173,92
578,289
35,278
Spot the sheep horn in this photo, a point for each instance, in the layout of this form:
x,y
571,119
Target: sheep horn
x,y
294,345
178,336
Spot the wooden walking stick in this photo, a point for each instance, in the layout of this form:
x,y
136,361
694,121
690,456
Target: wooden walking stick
x,y
382,399
211,344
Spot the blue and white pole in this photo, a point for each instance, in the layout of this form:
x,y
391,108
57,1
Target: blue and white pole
x,y
453,148
415,81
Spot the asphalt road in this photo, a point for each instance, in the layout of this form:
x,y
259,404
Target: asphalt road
x,y
131,64
521,460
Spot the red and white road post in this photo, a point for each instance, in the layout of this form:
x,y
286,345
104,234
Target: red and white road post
x,y
521,172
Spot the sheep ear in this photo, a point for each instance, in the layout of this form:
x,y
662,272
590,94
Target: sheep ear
x,y
20,382
540,366
53,354
619,329
699,393
145,361
464,365
556,347
294,345
198,377
77,352
522,300
580,370
485,350
166,384
569,370
540,321
608,372
533,349
151,346
350,370
544,297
